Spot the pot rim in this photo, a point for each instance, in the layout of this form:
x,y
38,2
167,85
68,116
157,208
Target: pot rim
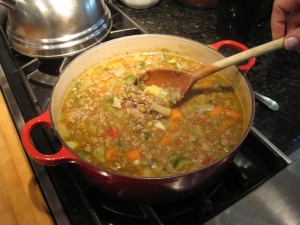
x,y
83,162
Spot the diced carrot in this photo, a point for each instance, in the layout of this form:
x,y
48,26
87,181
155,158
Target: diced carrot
x,y
225,125
133,154
166,141
173,127
111,153
208,160
206,84
176,115
112,132
216,111
233,114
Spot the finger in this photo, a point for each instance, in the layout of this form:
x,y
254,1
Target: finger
x,y
280,12
293,21
292,40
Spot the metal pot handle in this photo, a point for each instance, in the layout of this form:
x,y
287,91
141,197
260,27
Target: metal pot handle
x,y
237,46
63,155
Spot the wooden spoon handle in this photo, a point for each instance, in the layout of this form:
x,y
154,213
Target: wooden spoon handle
x,y
239,57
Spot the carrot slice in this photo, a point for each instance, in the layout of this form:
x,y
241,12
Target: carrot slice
x,y
166,141
133,154
176,115
233,114
111,153
216,111
208,160
173,127
225,125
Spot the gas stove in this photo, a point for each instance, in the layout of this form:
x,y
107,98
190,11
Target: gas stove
x,y
27,85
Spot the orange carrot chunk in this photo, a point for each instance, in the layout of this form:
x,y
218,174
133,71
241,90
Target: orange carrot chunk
x,y
176,115
111,153
166,141
225,125
133,154
233,114
216,111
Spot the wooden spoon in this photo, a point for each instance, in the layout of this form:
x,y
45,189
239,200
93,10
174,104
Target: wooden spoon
x,y
184,80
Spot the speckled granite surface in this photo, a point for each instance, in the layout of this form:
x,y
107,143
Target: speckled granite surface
x,y
276,75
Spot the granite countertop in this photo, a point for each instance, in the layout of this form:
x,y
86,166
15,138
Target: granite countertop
x,y
276,74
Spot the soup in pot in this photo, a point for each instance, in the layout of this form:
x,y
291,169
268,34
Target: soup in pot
x,y
111,119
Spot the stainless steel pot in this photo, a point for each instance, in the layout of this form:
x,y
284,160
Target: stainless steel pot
x,y
56,28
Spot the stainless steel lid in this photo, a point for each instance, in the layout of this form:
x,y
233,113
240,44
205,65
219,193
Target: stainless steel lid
x,y
55,28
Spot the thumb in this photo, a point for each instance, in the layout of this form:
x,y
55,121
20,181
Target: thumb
x,y
292,40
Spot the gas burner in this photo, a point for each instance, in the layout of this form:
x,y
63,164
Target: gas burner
x,y
45,71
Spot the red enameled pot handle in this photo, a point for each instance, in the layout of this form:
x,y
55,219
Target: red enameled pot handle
x,y
237,46
63,155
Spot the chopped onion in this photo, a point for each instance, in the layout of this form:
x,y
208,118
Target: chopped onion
x,y
159,125
117,103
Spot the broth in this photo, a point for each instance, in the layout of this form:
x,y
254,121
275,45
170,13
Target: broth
x,y
112,120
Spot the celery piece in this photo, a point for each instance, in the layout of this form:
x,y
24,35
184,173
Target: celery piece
x,y
161,109
72,144
143,63
179,163
146,135
130,79
85,155
64,131
139,83
172,61
110,100
98,154
163,94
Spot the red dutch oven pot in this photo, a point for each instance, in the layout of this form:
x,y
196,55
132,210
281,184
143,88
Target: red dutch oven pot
x,y
140,189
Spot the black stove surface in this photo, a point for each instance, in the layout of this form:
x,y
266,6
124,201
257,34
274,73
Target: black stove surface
x,y
27,84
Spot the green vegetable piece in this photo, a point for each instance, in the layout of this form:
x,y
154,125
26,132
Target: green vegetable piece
x,y
72,144
130,79
147,135
77,85
110,100
172,61
76,99
143,63
161,109
85,155
98,154
179,163
139,83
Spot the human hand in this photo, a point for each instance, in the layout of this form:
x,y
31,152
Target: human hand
x,y
285,22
